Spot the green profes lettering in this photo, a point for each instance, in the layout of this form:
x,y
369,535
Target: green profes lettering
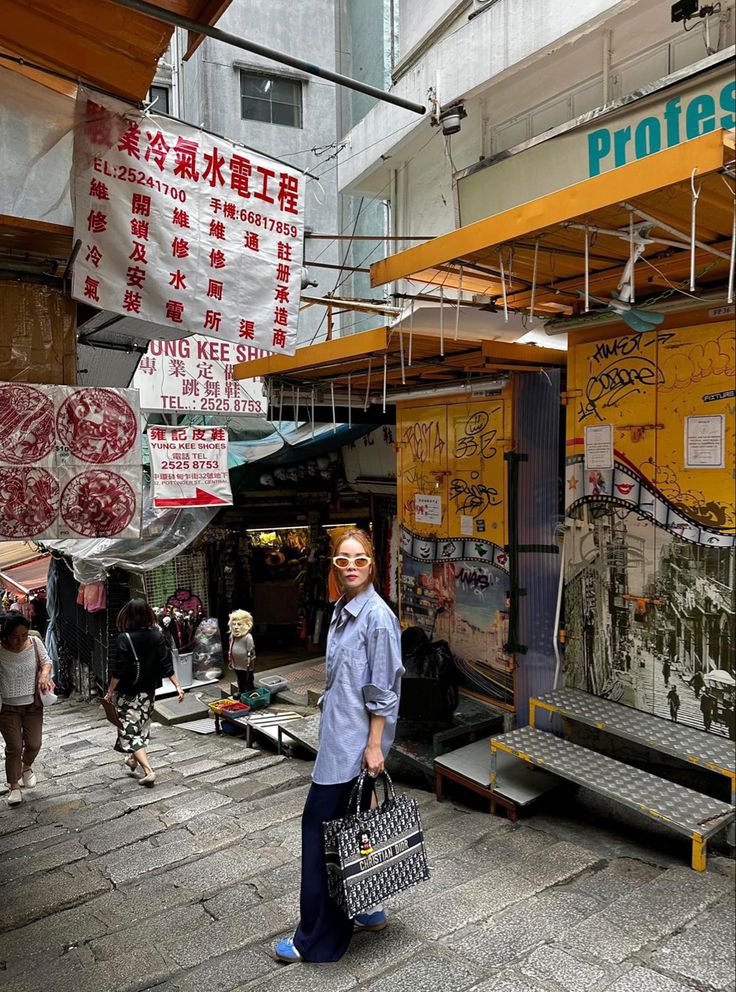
x,y
677,121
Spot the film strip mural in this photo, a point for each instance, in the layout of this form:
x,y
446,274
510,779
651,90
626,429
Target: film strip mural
x,y
452,549
624,487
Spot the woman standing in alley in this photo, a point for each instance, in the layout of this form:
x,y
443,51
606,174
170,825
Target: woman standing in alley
x,y
25,673
359,709
144,660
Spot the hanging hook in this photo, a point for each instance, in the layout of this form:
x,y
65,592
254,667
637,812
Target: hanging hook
x,y
442,321
503,285
401,352
411,330
459,301
693,226
534,282
368,386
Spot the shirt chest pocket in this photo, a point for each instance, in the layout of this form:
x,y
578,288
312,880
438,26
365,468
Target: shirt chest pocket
x,y
351,665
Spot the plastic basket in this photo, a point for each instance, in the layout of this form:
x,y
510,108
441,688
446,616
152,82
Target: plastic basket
x,y
223,705
256,698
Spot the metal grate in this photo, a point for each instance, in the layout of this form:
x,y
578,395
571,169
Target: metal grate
x,y
188,571
684,809
674,739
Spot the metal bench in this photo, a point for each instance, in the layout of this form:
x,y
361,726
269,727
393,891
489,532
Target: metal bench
x,y
684,810
674,739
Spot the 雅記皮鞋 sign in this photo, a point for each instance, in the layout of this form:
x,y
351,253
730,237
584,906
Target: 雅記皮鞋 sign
x,y
189,466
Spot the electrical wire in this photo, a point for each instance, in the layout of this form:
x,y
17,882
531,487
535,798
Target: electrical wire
x,y
379,242
342,268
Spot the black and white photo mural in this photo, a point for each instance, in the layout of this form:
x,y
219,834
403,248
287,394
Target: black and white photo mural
x,y
651,524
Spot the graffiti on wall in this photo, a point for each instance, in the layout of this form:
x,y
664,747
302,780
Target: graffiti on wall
x,y
454,573
651,541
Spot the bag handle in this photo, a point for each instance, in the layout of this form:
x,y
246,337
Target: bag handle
x,y
135,655
39,666
389,795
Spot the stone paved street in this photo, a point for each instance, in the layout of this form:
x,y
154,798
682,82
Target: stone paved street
x,y
105,885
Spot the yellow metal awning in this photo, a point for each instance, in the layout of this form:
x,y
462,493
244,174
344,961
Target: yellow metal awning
x,y
95,41
410,363
535,254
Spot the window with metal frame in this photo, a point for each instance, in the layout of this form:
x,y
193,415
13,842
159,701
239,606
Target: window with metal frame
x,y
160,99
270,99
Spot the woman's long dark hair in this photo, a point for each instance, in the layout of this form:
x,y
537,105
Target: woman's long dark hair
x,y
135,615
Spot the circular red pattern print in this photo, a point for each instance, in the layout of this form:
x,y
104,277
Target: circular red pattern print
x,y
98,504
96,425
26,424
30,501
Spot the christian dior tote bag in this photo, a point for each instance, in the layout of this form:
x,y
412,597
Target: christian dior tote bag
x,y
374,854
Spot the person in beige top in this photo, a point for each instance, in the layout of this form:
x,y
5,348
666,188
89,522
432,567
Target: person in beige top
x,y
25,673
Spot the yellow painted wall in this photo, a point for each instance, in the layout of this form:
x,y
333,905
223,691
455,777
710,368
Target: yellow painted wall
x,y
455,449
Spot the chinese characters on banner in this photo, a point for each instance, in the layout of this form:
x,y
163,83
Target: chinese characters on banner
x,y
196,375
189,466
70,462
185,229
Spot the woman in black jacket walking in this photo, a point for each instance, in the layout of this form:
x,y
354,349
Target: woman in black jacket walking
x,y
144,659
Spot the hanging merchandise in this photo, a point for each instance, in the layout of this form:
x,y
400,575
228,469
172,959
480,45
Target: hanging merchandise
x,y
93,596
207,659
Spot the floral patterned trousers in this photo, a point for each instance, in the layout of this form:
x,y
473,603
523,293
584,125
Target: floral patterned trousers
x,y
134,712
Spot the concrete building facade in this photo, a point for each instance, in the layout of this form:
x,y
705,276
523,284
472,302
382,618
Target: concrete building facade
x,y
521,69
271,108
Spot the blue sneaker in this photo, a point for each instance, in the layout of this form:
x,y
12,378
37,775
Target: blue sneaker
x,y
373,922
286,951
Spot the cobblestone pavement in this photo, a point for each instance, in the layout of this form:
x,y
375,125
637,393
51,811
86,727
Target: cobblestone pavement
x,y
106,885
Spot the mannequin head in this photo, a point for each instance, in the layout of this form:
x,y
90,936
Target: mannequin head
x,y
240,623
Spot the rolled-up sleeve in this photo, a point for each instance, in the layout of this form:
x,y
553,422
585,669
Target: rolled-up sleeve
x,y
381,691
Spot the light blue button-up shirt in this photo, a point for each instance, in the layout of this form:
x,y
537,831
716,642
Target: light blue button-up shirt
x,y
363,676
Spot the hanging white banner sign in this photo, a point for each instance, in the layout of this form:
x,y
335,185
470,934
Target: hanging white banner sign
x,y
196,375
70,462
185,229
189,466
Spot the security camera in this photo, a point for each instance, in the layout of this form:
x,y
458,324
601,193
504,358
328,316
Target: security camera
x,y
450,118
683,10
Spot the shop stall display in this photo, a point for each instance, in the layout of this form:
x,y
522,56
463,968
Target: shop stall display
x,y
207,655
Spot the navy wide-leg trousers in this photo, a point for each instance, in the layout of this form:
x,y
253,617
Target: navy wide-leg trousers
x,y
324,931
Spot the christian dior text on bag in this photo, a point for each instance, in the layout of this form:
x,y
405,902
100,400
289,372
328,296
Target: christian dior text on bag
x,y
374,854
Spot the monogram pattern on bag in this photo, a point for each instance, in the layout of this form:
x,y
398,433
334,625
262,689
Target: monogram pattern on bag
x,y
357,882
